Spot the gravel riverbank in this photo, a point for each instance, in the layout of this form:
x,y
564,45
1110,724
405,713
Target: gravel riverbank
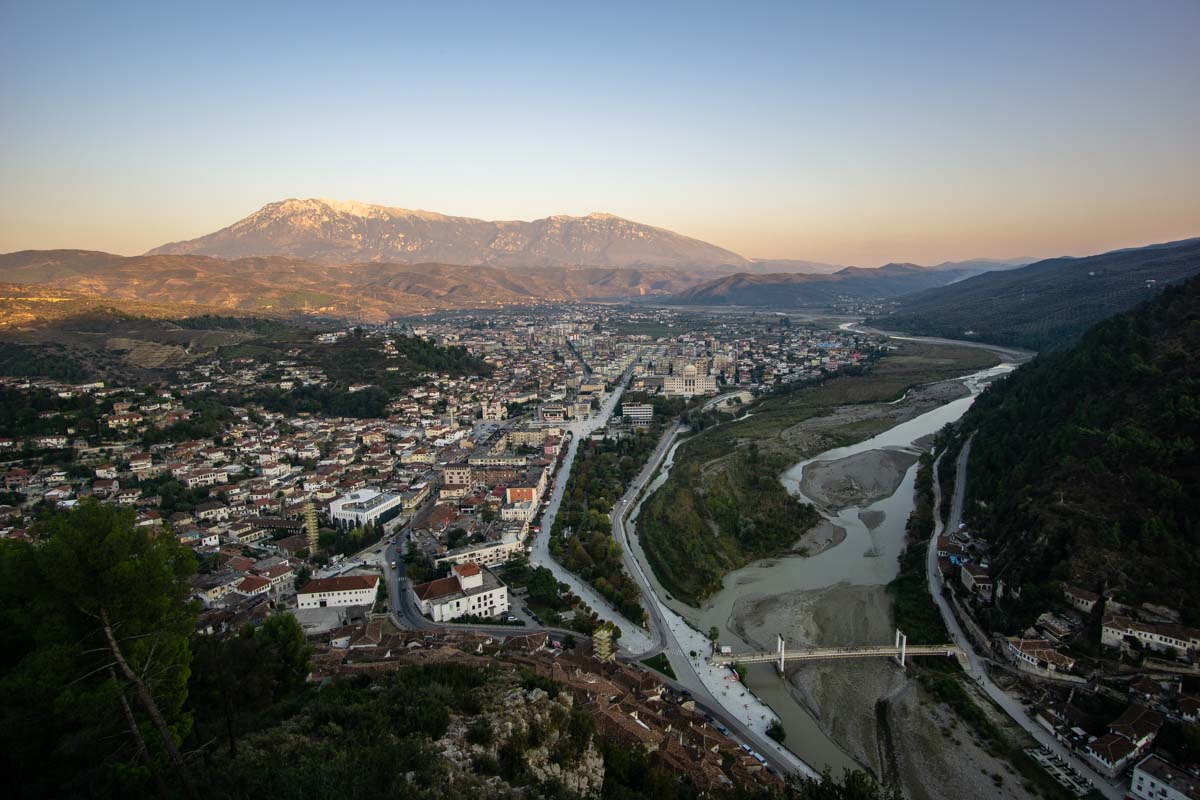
x,y
857,480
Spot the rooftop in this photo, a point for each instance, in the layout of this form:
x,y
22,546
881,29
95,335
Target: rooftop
x,y
342,583
1168,774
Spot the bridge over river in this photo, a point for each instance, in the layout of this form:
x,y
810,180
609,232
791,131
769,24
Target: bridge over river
x,y
781,655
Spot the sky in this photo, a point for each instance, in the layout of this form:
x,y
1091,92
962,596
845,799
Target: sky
x,y
846,132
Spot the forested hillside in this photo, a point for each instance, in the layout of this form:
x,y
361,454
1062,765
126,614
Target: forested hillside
x,y
1085,464
1048,303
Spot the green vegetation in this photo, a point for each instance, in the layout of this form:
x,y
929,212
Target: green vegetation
x,y
775,731
96,660
1085,468
42,361
659,663
724,506
39,412
363,404
1048,303
545,599
354,360
582,534
209,417
260,325
913,609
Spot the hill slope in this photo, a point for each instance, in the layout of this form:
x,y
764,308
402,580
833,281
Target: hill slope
x,y
1087,461
781,290
1048,302
333,232
277,285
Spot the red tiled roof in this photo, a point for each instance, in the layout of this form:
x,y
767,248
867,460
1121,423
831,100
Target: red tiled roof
x,y
466,570
252,583
442,587
344,583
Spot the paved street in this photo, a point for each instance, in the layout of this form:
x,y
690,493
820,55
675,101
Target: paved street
x,y
634,639
976,669
714,687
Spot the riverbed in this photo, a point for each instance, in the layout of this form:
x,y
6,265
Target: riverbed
x,y
830,590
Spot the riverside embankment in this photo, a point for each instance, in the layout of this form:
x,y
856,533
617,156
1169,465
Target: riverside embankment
x,y
831,590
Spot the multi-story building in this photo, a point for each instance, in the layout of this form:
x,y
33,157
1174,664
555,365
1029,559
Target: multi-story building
x,y
469,589
1154,636
365,506
638,413
689,383
345,590
486,554
1155,779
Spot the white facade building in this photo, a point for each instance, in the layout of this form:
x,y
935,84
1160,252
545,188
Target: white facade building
x,y
1155,779
689,383
638,413
345,590
469,589
356,509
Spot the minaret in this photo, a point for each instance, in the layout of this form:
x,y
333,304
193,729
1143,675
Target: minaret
x,y
602,644
310,526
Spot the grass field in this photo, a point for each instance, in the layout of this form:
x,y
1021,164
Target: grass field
x,y
659,663
723,505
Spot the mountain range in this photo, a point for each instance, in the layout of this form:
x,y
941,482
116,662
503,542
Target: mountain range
x,y
1047,303
348,259
335,232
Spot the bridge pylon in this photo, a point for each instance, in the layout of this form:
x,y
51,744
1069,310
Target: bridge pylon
x,y
901,647
779,652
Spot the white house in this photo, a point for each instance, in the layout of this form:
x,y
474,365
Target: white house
x,y
252,585
346,590
470,589
1155,779
1156,637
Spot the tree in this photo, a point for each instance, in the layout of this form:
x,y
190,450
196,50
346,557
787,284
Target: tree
x,y
96,622
543,587
286,650
853,785
302,577
237,676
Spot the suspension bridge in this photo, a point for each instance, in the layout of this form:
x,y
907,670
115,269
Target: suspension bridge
x,y
899,651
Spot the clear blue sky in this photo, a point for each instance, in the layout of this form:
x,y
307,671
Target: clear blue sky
x,y
846,132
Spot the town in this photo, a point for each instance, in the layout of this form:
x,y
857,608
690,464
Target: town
x,y
396,512
421,519
1105,678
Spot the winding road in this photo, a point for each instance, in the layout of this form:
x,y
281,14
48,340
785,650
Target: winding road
x,y
975,666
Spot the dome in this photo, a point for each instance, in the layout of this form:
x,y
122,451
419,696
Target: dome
x,y
689,371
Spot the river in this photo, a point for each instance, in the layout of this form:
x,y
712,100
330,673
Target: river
x,y
751,607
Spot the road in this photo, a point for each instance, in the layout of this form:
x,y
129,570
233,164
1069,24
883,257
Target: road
x,y
975,667
668,633
634,639
1013,354
739,710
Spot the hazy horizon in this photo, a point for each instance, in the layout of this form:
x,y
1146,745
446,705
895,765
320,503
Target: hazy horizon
x,y
937,133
